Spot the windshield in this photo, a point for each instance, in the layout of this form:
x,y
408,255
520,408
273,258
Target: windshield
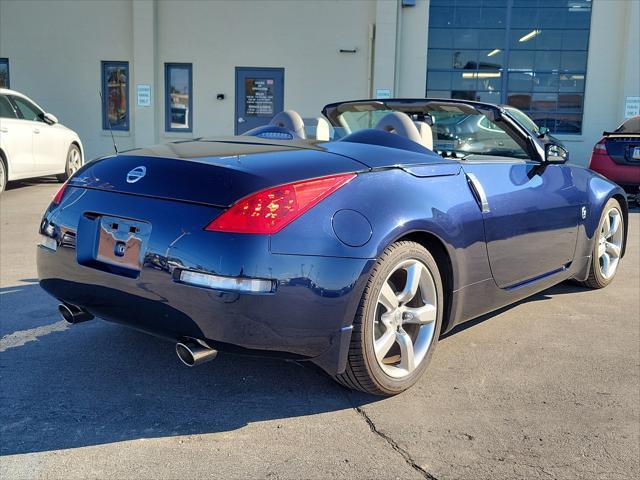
x,y
523,119
457,132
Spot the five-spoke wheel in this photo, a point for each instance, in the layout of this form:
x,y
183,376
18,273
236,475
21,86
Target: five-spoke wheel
x,y
405,318
398,322
73,164
610,242
608,246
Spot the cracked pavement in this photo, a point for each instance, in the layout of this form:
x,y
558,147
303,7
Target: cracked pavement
x,y
548,388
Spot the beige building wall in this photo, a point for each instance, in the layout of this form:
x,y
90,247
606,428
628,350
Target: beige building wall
x,y
612,72
304,38
55,48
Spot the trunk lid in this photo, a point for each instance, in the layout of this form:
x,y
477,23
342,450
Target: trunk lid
x,y
212,172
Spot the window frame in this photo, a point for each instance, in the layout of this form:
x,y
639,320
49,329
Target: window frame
x,y
167,97
104,64
5,60
15,99
6,98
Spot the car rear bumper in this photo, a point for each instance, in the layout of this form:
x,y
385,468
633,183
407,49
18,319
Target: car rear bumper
x,y
308,315
626,175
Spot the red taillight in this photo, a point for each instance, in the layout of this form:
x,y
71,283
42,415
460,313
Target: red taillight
x,y
600,147
270,210
58,198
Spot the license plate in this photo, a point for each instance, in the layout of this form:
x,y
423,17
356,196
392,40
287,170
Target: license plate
x,y
121,242
636,153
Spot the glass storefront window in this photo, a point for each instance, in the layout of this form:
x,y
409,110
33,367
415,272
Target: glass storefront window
x,y
531,54
178,97
115,95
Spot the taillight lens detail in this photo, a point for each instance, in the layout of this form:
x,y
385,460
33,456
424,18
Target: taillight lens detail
x,y
600,147
58,198
269,211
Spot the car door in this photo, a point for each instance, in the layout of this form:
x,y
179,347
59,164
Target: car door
x,y
47,155
531,214
16,140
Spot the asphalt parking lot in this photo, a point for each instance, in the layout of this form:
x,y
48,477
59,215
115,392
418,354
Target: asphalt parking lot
x,y
548,388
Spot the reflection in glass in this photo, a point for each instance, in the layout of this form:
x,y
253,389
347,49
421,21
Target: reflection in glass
x,y
115,77
178,92
542,52
4,73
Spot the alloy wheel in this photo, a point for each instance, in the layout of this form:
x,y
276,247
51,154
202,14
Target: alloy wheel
x,y
74,160
405,318
610,243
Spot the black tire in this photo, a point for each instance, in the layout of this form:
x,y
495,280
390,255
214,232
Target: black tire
x,y
596,279
3,175
70,168
363,371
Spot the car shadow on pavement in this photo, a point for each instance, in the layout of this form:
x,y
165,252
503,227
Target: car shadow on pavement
x,y
29,182
95,383
560,289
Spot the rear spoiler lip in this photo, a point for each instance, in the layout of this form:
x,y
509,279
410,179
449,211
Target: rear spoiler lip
x,y
619,134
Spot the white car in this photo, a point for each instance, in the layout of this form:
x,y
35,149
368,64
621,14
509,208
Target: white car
x,y
33,143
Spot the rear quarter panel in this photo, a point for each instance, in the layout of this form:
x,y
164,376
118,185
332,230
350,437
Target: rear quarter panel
x,y
395,204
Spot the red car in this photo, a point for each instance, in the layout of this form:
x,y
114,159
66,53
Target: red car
x,y
617,156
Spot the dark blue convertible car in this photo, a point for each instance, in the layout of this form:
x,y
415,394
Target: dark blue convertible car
x,y
355,248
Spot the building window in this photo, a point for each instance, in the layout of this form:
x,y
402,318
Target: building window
x,y
4,73
178,98
531,54
115,95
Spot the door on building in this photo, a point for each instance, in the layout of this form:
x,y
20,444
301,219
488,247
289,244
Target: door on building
x,y
259,96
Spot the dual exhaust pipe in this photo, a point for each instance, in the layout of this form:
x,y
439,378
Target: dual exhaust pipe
x,y
191,352
73,314
195,352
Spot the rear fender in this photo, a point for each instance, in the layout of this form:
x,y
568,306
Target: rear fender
x,y
600,191
393,204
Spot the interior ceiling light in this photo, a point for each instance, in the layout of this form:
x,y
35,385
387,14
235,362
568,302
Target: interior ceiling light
x,y
493,52
530,35
481,75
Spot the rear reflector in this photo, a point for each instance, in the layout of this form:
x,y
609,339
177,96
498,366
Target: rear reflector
x,y
269,211
48,242
207,280
58,198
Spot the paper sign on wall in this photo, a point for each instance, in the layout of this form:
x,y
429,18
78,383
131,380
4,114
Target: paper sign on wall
x,y
143,94
383,93
631,107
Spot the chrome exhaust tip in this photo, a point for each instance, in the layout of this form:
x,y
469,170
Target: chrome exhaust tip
x,y
195,353
73,314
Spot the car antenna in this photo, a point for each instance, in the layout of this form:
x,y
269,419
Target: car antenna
x,y
115,147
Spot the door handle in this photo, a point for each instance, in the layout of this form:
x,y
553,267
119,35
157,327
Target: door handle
x,y
241,120
478,192
36,130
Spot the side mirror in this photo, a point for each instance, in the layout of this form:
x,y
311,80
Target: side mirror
x,y
554,153
50,118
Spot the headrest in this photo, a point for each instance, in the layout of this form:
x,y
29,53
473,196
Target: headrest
x,y
318,128
290,120
426,134
399,123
